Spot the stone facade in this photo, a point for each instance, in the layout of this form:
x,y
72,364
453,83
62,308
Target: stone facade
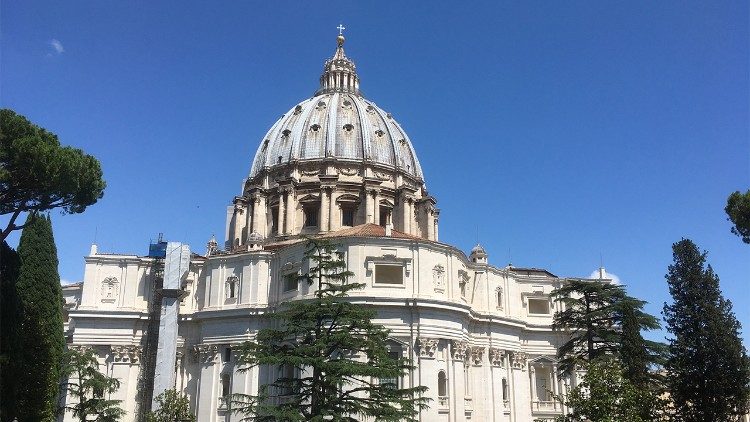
x,y
478,346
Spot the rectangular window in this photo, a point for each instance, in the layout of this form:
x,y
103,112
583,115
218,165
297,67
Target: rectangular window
x,y
290,282
311,215
385,216
347,216
505,389
539,306
389,274
227,354
274,219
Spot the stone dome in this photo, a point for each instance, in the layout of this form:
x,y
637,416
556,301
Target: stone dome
x,y
337,124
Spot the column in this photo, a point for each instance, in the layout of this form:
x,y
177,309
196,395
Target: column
x,y
261,221
324,214
532,371
406,226
282,210
291,209
249,210
330,210
430,224
555,386
256,215
368,207
376,207
435,229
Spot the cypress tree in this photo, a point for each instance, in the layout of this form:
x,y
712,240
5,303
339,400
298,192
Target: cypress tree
x,y
708,370
9,309
41,340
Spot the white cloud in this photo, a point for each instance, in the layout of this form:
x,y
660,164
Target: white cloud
x,y
57,47
615,279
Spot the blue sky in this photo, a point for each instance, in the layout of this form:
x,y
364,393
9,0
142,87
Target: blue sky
x,y
560,131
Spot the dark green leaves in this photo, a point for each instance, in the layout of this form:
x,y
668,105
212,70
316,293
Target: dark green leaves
x,y
738,212
38,174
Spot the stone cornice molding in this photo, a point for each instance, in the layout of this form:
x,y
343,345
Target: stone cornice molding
x,y
427,347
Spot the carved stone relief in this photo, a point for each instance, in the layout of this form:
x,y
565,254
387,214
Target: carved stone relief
x,y
438,277
477,352
382,176
518,360
427,347
110,289
460,349
497,356
126,354
205,353
348,171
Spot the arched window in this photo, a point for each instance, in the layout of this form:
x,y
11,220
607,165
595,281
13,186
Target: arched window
x,y
232,286
442,384
499,295
505,389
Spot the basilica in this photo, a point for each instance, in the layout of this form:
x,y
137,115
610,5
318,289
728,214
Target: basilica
x,y
337,166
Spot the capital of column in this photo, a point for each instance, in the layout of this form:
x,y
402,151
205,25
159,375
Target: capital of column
x,y
427,347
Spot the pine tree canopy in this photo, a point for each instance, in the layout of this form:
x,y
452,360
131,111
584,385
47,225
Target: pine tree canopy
x,y
41,341
708,370
332,361
38,174
592,314
738,212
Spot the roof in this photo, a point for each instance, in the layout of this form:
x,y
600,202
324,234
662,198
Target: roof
x,y
531,271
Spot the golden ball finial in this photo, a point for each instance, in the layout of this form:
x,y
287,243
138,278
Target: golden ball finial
x,y
340,40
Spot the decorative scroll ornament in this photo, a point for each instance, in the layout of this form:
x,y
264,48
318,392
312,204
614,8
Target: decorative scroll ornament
x,y
460,349
127,354
205,353
310,171
497,356
110,289
348,171
427,347
438,277
518,360
477,352
382,176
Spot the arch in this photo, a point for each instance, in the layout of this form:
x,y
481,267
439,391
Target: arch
x,y
442,384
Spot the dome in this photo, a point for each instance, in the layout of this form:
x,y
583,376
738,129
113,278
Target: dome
x,y
337,124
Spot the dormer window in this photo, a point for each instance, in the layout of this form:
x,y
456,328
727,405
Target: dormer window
x,y
298,109
285,133
315,127
380,133
348,127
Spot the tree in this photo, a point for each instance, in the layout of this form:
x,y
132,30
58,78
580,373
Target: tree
x,y
333,361
38,174
592,314
9,322
173,407
87,388
40,341
708,370
738,212
637,355
606,395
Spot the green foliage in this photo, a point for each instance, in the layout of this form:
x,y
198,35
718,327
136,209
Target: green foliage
x,y
336,353
605,395
87,388
173,407
592,316
38,174
708,370
9,323
40,342
738,212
